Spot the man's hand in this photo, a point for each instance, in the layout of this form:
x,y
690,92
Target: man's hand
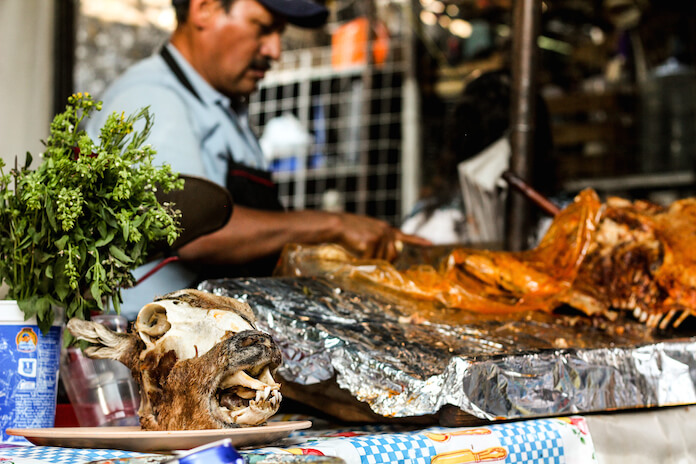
x,y
373,238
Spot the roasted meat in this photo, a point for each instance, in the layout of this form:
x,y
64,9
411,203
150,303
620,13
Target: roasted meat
x,y
642,259
597,258
199,360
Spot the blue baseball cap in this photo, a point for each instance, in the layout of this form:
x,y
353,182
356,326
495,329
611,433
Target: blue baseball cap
x,y
302,13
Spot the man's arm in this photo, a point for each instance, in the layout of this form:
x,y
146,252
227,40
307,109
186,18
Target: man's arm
x,y
251,234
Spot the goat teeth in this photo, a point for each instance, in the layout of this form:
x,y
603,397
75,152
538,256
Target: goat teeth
x,y
243,379
664,323
246,394
681,318
267,378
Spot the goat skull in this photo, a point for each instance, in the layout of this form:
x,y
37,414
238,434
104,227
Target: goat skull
x,y
199,360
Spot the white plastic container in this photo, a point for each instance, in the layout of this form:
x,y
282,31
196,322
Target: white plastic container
x,y
29,362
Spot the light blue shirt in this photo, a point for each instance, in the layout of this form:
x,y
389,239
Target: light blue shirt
x,y
193,136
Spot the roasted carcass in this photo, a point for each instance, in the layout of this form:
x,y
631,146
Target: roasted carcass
x,y
642,259
598,258
199,361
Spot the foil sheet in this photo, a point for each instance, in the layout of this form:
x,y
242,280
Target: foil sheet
x,y
521,366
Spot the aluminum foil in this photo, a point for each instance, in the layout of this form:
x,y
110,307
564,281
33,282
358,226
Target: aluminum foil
x,y
521,366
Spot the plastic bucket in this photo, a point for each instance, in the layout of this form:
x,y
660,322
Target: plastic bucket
x,y
29,362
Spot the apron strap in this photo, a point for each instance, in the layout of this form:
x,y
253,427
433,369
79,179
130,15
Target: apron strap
x,y
178,72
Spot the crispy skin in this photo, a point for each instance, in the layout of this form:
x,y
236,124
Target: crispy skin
x,y
643,259
619,269
634,256
677,234
476,280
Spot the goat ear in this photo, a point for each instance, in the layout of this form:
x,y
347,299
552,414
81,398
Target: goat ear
x,y
105,343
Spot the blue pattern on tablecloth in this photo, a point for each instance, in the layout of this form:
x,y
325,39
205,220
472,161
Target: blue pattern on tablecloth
x,y
56,455
396,448
533,442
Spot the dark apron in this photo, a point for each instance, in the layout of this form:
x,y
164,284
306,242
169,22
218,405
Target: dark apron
x,y
249,187
255,189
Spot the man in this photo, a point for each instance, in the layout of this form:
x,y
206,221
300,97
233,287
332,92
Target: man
x,y
197,88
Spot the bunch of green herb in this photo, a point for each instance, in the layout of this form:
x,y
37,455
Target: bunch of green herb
x,y
72,230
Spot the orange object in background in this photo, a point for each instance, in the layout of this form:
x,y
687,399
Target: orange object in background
x,y
349,43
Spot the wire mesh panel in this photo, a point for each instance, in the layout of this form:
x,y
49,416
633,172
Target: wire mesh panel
x,y
333,132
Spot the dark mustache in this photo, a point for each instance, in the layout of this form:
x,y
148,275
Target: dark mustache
x,y
261,63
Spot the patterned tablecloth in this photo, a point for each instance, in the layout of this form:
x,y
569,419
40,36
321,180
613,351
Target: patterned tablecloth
x,y
541,441
19,454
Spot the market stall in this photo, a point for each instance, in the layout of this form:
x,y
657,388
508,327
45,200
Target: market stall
x,y
425,364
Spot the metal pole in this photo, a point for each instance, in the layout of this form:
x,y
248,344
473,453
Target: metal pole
x,y
526,20
362,193
410,116
64,38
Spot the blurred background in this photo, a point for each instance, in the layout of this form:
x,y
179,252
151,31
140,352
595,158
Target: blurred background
x,y
374,108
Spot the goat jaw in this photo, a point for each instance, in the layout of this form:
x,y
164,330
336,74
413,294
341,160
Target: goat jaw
x,y
253,400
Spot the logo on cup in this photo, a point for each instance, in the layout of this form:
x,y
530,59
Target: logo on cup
x,y
27,367
26,340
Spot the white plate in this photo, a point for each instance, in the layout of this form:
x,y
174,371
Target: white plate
x,y
135,439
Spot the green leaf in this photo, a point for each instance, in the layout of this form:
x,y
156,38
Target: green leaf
x,y
116,301
78,234
28,307
106,237
51,214
82,252
68,339
36,235
103,230
43,307
42,257
61,242
95,290
136,251
119,254
61,282
39,307
126,230
28,160
44,280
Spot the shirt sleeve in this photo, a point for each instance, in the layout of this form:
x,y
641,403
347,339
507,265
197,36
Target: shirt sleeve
x,y
172,136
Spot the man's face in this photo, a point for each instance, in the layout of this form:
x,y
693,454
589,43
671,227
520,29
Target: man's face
x,y
239,47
